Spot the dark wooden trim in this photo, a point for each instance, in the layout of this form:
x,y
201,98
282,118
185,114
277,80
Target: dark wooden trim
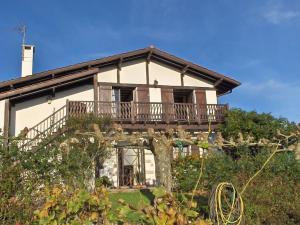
x,y
187,127
156,54
119,68
33,93
47,84
95,86
6,121
183,72
104,61
163,113
185,69
181,79
155,86
149,55
147,72
218,82
118,75
96,92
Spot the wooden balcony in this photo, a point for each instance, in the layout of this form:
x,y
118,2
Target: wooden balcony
x,y
150,112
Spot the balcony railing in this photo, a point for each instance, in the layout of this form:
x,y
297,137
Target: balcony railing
x,y
149,112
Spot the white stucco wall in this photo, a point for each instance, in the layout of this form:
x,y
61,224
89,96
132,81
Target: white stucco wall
x,y
211,97
149,168
2,106
133,73
108,75
130,158
31,112
155,94
190,80
110,168
165,75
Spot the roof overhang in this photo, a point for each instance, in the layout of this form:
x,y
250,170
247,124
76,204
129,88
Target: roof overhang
x,y
11,88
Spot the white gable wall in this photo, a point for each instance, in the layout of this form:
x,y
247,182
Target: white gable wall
x,y
165,75
133,73
108,75
190,80
29,113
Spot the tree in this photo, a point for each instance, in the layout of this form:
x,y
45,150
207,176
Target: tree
x,y
257,125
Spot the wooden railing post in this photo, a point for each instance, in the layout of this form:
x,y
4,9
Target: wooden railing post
x,y
132,111
199,113
167,112
96,94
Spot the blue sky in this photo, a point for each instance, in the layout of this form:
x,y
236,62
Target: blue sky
x,y
256,42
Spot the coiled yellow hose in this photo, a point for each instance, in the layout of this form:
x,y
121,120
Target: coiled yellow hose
x,y
226,203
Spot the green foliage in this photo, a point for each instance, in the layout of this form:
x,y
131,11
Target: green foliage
x,y
15,193
68,159
69,206
218,168
257,125
84,122
103,181
137,199
203,144
272,197
166,210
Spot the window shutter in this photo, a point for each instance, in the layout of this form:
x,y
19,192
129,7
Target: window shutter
x,y
105,93
142,99
142,94
167,100
167,95
105,98
200,97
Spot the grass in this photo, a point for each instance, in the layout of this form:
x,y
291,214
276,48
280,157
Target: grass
x,y
138,199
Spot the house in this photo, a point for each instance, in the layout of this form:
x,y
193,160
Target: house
x,y
138,89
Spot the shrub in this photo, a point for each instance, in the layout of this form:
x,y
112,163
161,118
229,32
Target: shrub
x,y
67,159
73,206
272,197
257,125
103,181
166,209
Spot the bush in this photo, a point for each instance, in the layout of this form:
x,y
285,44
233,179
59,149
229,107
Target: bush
x,y
68,159
257,125
166,209
272,197
103,181
73,206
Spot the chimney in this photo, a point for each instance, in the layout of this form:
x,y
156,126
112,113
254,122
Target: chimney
x,y
27,59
